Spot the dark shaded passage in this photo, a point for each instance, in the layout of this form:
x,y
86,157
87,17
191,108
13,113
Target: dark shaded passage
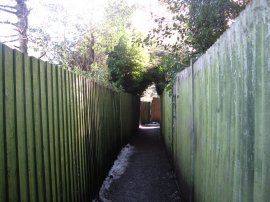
x,y
148,176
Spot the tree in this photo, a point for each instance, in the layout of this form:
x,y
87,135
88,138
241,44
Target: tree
x,y
56,34
128,65
88,56
190,29
194,24
80,55
20,10
209,19
114,26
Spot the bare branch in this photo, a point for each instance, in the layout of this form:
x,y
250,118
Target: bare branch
x,y
6,6
8,11
9,36
9,41
42,55
8,23
29,11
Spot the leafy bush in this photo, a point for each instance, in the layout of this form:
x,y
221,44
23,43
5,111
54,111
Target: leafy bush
x,y
128,64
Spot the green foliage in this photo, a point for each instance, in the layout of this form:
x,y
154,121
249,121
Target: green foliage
x,y
114,26
39,41
194,24
99,74
190,29
83,48
89,56
128,65
164,73
133,68
209,19
169,65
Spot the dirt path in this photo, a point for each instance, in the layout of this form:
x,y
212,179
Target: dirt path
x,y
142,172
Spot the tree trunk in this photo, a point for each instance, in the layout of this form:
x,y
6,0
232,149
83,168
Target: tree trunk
x,y
22,26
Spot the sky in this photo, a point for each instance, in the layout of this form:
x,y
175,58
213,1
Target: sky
x,y
87,10
83,11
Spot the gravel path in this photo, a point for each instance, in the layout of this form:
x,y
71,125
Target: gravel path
x,y
142,172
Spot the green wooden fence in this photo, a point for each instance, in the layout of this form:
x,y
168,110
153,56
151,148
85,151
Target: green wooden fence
x,y
217,123
59,132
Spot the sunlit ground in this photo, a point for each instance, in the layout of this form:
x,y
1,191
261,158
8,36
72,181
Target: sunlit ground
x,y
153,125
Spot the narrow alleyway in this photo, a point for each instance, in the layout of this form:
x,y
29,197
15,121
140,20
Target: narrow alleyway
x,y
142,171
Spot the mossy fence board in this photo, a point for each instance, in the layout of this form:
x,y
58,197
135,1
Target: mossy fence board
x,y
59,132
217,123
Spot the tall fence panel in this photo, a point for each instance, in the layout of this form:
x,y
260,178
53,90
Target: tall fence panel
x,y
155,110
145,113
221,125
59,132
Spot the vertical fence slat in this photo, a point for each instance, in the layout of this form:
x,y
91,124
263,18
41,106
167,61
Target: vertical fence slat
x,y
38,130
30,129
84,137
91,138
56,134
88,157
51,131
61,133
66,134
74,131
69,125
98,139
3,187
79,136
10,127
78,127
45,132
21,132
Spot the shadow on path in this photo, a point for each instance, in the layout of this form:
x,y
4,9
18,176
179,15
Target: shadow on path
x,y
142,171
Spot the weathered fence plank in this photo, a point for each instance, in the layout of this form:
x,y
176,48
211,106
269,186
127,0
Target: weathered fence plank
x,y
30,129
49,88
10,127
45,132
3,187
20,122
38,130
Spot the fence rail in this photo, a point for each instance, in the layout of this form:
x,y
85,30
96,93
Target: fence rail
x,y
59,132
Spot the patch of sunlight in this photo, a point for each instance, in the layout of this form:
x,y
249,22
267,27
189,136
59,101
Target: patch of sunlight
x,y
150,126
